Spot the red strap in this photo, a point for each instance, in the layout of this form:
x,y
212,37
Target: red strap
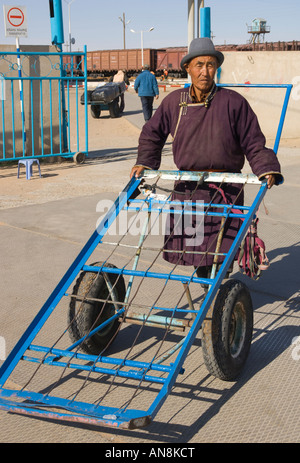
x,y
251,256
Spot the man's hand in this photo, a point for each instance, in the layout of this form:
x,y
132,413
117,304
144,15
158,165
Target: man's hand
x,y
136,171
270,180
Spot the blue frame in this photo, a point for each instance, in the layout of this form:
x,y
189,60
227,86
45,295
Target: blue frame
x,y
64,82
112,416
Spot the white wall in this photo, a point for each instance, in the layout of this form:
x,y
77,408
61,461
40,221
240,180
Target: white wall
x,y
274,67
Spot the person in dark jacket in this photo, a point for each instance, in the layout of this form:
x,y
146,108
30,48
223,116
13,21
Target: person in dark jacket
x,y
146,87
213,129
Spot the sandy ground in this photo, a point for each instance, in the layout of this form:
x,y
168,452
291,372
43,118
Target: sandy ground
x,y
62,179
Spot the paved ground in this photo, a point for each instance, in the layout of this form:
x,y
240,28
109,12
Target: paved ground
x,y
44,224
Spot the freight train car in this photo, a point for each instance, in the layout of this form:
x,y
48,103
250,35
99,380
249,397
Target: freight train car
x,y
73,65
107,62
170,59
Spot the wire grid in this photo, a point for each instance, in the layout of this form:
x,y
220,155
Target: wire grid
x,y
138,345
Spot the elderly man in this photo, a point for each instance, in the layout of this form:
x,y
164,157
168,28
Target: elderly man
x,y
213,129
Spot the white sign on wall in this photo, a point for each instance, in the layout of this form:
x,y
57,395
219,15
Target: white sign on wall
x,y
15,20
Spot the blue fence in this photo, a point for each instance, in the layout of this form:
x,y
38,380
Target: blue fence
x,y
41,114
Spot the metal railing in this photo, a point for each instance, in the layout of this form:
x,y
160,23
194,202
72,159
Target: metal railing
x,y
40,112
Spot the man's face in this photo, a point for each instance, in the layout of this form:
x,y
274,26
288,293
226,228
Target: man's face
x,y
202,70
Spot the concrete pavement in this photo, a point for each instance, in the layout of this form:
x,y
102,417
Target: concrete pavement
x,y
40,241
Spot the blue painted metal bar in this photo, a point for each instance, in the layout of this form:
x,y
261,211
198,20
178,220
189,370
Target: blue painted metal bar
x,y
3,129
33,156
282,117
24,136
63,105
85,101
59,118
21,88
51,116
256,85
149,205
100,359
89,413
69,115
144,274
37,53
13,116
32,118
77,116
82,418
191,212
33,78
105,371
42,116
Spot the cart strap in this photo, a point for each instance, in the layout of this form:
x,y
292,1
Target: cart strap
x,y
252,257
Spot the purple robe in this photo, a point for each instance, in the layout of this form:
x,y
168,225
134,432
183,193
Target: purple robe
x,y
213,136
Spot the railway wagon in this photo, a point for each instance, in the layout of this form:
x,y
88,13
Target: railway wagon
x,y
73,64
170,59
106,62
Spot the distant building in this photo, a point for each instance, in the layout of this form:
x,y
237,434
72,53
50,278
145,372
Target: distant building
x,y
258,29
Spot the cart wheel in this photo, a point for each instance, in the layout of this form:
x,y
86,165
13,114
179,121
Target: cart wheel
x,y
79,158
227,331
95,111
84,316
114,108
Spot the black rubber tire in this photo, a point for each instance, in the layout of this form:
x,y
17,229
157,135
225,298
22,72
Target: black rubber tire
x,y
114,108
226,332
85,316
95,111
79,158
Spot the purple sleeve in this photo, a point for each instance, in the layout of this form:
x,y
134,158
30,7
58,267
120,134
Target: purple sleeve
x,y
153,137
262,160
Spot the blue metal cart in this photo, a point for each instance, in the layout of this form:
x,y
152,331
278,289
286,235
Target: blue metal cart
x,y
112,286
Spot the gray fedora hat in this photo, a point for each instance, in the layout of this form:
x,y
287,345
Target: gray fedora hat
x,y
202,47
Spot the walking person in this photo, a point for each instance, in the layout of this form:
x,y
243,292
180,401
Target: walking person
x,y
146,87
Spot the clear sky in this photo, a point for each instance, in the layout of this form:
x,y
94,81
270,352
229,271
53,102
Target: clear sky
x,y
96,23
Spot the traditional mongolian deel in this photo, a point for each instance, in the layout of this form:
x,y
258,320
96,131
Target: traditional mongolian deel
x,y
215,135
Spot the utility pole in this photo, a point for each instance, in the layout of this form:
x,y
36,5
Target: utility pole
x,y
124,27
